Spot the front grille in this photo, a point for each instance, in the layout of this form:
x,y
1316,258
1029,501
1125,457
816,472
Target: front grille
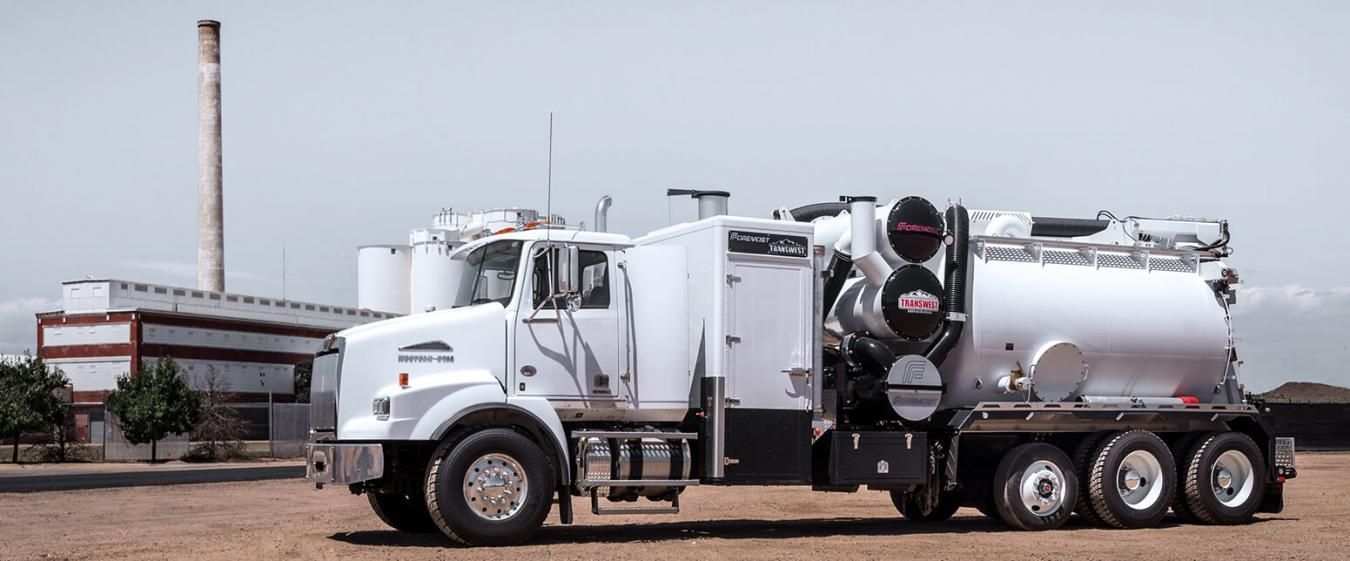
x,y
323,387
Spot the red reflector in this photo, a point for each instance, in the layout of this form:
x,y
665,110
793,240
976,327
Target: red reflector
x,y
403,379
1280,480
1188,399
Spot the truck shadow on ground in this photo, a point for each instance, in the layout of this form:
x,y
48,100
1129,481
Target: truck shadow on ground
x,y
732,529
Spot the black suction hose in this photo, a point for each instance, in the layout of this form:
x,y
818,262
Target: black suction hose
x,y
871,354
958,277
807,213
840,264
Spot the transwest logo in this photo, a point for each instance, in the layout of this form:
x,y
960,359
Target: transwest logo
x,y
787,247
919,301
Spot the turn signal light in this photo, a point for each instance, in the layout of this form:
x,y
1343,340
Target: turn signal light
x,y
1188,399
402,379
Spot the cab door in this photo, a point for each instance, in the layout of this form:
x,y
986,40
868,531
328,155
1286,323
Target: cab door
x,y
568,354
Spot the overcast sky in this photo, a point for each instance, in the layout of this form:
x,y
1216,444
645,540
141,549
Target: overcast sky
x,y
347,125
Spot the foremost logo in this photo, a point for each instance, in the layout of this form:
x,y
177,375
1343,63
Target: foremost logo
x,y
752,238
920,302
920,228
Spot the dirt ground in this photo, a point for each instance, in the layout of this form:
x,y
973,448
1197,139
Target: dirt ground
x,y
290,520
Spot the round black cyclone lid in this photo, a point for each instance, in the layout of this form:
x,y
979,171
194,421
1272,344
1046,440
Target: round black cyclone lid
x,y
912,303
914,229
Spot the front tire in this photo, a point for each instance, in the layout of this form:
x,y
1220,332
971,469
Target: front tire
x,y
402,512
1225,478
912,506
492,487
1035,487
1131,480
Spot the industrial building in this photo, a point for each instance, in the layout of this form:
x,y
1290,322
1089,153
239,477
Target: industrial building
x,y
109,328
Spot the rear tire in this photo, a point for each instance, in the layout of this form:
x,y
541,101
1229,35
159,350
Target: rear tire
x,y
1082,465
492,487
403,513
1132,479
1225,478
1180,450
911,506
1035,487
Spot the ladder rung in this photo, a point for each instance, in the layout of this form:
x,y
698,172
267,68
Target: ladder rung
x,y
635,434
593,483
674,507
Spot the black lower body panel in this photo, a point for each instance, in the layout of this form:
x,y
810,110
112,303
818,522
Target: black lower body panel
x,y
768,447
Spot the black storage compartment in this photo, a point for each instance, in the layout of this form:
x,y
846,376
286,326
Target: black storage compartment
x,y
768,447
870,457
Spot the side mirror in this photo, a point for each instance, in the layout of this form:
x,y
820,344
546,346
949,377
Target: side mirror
x,y
567,270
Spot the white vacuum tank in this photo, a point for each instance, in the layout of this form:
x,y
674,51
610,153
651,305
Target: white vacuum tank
x,y
1126,326
1049,319
382,275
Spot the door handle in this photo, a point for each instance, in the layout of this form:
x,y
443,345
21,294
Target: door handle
x,y
798,371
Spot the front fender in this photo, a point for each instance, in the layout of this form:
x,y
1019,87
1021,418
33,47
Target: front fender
x,y
533,410
418,411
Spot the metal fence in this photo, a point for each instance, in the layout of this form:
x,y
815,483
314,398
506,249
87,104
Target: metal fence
x,y
1314,426
117,449
289,429
274,430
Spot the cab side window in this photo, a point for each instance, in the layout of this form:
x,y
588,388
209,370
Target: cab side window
x,y
594,279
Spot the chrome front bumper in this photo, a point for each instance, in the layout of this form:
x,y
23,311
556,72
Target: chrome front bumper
x,y
343,464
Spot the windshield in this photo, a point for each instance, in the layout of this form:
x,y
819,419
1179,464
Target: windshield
x,y
489,274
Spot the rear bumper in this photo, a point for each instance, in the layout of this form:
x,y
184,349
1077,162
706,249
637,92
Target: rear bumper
x,y
343,463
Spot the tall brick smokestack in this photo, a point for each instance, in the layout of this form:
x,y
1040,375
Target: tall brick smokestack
x,y
210,211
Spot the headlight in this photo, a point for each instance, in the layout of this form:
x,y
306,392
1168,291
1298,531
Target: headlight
x,y
380,407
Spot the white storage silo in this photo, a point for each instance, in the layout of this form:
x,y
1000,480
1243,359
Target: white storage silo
x,y
434,276
383,278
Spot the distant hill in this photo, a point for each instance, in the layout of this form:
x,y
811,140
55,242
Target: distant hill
x,y
1307,392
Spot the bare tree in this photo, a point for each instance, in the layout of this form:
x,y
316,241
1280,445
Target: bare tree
x,y
219,431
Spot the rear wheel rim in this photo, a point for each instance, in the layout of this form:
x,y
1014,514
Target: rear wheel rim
x,y
1232,478
1140,480
1042,488
495,487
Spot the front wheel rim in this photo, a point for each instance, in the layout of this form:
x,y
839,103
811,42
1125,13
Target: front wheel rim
x,y
1232,478
495,487
1140,480
1042,488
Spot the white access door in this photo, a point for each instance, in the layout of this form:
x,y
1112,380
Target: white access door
x,y
569,355
769,335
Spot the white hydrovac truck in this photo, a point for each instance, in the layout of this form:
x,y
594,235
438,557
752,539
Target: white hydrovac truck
x,y
1030,367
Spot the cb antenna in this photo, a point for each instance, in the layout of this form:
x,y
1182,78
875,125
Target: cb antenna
x,y
548,208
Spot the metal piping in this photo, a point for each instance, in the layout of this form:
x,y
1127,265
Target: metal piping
x,y
602,213
712,203
210,206
863,240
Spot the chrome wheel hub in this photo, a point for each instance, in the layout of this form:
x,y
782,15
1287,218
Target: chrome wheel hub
x,y
1233,478
1223,479
1140,479
1042,488
495,486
